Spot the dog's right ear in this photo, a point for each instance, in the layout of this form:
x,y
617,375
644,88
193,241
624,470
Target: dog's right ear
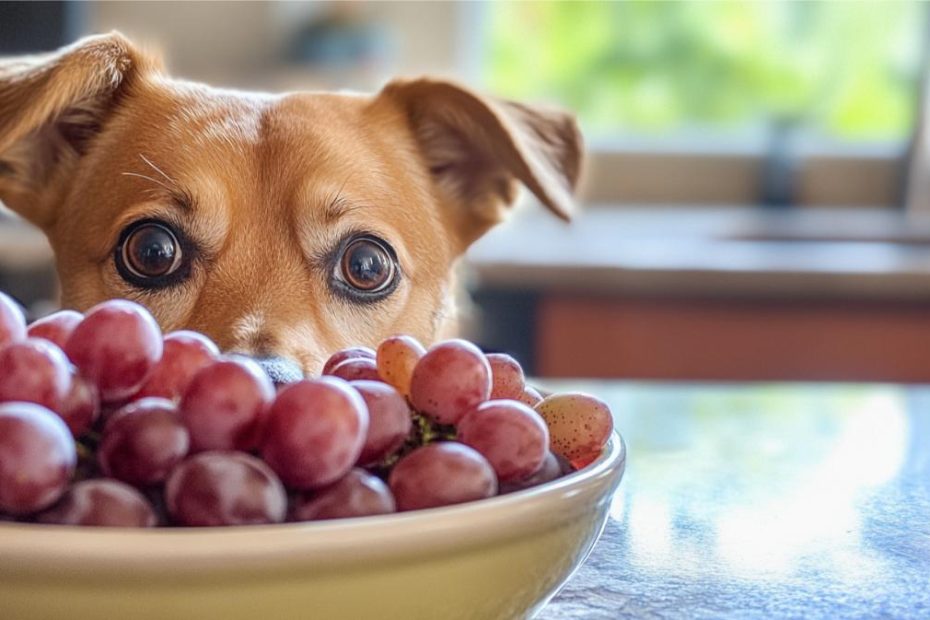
x,y
51,107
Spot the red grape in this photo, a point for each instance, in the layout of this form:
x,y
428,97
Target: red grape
x,y
553,467
530,396
56,327
579,425
185,353
35,371
357,494
396,358
224,488
101,503
143,442
507,380
345,354
452,378
315,432
509,434
81,407
355,369
226,404
441,474
116,346
12,321
389,420
37,457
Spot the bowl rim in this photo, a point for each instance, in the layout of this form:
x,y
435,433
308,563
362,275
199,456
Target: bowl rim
x,y
24,545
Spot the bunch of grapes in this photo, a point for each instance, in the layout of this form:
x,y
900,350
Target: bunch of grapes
x,y
104,421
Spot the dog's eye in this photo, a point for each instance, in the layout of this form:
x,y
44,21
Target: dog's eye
x,y
148,253
367,265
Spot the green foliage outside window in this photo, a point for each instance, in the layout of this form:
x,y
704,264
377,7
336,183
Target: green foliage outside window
x,y
845,70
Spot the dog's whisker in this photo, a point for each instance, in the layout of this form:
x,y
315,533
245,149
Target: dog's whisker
x,y
157,169
148,178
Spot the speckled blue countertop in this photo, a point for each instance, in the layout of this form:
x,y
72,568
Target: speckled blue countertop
x,y
763,501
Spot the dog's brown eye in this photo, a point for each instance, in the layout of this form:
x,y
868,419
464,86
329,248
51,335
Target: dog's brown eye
x,y
367,265
150,251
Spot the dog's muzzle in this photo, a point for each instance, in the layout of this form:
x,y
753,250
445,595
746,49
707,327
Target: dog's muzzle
x,y
281,370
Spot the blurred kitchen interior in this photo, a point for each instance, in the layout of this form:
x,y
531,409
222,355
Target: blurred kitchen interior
x,y
755,198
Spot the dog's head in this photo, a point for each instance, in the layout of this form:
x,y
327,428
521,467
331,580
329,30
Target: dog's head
x,y
280,225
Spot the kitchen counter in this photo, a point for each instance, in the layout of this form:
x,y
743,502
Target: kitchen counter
x,y
762,501
824,253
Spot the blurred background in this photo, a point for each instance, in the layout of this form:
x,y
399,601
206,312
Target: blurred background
x,y
756,199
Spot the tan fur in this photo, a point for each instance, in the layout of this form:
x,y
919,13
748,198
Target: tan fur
x,y
95,137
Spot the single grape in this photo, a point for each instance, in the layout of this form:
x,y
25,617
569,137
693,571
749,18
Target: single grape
x,y
579,425
507,380
185,353
513,437
224,488
116,346
389,420
143,442
355,369
226,404
35,371
37,457
530,396
440,474
315,432
553,467
101,503
81,407
396,358
452,378
344,354
357,494
12,321
56,327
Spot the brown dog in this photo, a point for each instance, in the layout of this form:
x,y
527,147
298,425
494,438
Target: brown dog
x,y
281,225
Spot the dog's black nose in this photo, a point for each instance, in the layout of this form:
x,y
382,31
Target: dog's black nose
x,y
280,369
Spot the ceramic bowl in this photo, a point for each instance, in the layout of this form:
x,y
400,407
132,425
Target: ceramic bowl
x,y
503,557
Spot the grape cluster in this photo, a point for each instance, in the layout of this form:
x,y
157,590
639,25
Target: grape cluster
x,y
104,421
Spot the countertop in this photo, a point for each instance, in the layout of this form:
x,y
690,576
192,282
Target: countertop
x,y
762,501
822,253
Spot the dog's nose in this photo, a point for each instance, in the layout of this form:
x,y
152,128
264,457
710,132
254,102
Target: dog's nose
x,y
280,369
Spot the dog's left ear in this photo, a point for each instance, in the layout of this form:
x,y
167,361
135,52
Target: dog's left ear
x,y
477,147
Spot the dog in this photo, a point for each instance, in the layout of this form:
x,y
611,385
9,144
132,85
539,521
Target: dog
x,y
284,227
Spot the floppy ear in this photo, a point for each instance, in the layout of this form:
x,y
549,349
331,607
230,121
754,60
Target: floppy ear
x,y
51,108
478,147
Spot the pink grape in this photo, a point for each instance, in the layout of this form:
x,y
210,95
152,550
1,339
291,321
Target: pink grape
x,y
101,502
345,354
226,404
579,425
507,380
357,494
389,420
356,369
56,327
224,488
185,353
35,371
315,432
397,356
553,467
530,397
513,437
81,407
452,378
37,457
143,442
12,321
440,474
116,346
